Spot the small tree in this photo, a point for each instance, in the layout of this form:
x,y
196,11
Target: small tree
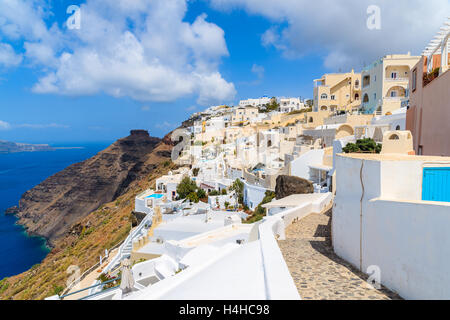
x,y
186,187
238,187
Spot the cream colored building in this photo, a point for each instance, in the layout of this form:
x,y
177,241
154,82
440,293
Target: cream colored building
x,y
244,115
385,83
337,91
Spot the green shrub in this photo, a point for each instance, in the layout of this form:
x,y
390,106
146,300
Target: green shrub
x,y
193,197
201,194
224,192
260,212
57,290
363,146
214,193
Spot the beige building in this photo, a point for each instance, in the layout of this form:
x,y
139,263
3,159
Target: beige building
x,y
244,115
337,92
385,83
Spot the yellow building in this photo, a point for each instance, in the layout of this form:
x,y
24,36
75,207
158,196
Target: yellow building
x,y
337,92
385,83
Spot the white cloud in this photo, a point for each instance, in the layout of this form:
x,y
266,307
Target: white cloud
x,y
8,58
141,49
4,125
145,108
166,125
7,126
258,70
337,30
41,126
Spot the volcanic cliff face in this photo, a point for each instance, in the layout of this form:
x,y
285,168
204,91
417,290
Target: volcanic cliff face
x,y
52,207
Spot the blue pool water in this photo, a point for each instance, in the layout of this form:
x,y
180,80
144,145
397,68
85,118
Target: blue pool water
x,y
20,172
155,196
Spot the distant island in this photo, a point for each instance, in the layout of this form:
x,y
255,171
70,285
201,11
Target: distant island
x,y
14,147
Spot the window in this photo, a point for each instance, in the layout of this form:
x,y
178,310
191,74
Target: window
x,y
394,137
393,94
324,96
374,96
394,75
414,80
333,97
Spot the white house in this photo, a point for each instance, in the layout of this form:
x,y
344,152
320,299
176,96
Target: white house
x,y
291,104
255,102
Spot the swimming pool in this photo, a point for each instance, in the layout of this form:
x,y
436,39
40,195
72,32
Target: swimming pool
x,y
155,196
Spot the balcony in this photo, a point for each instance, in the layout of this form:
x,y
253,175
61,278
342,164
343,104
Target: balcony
x,y
396,79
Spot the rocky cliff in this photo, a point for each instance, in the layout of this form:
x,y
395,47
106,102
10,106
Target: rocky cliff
x,y
52,207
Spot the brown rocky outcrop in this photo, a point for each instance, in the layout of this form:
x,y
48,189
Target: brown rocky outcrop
x,y
289,185
53,207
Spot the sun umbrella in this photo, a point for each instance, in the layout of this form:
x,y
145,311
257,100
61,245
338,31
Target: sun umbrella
x,y
127,282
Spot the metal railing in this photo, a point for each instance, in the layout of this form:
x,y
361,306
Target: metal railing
x,y
93,286
88,271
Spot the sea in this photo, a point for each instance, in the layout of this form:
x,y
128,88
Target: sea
x,y
20,172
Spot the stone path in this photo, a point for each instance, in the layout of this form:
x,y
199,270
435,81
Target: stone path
x,y
318,272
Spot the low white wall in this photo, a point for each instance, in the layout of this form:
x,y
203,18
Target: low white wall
x,y
279,282
278,279
212,200
139,206
300,166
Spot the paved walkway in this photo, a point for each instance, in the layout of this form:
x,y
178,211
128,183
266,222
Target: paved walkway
x,y
318,272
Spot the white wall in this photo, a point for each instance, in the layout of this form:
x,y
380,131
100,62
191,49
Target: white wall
x,y
394,120
410,243
139,206
253,195
391,227
299,167
401,180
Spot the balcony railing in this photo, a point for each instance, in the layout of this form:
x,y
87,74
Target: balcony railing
x,y
393,98
397,79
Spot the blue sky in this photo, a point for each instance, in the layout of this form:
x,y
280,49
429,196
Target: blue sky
x,y
148,64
